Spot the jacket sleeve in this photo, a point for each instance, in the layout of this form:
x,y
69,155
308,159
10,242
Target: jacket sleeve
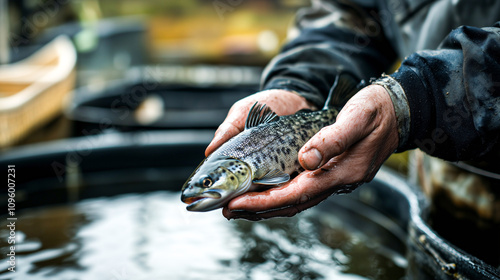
x,y
329,38
453,95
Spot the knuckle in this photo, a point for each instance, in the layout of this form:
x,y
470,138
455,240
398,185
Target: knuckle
x,y
336,145
303,199
369,112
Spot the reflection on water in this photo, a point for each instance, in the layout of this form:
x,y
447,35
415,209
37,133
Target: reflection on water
x,y
152,236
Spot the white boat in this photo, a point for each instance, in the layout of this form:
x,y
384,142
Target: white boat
x,y
34,91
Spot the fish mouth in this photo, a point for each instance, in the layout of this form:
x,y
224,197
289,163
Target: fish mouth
x,y
193,201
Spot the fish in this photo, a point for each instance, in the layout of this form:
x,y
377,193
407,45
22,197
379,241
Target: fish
x,y
265,153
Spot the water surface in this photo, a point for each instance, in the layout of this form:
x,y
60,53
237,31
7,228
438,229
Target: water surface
x,y
152,236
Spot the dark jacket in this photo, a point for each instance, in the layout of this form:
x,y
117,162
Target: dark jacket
x,y
446,92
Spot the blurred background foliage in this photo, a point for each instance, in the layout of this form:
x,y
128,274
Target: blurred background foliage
x,y
189,31
114,37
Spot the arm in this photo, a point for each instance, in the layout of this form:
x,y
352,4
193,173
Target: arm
x,y
329,37
452,95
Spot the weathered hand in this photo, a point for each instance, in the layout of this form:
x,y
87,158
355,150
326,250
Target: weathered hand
x,y
280,101
349,152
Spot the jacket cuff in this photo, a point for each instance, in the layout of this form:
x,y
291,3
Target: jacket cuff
x,y
401,108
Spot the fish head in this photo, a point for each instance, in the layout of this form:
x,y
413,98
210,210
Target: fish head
x,y
215,182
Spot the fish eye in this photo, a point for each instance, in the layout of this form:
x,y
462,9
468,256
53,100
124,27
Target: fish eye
x,y
207,182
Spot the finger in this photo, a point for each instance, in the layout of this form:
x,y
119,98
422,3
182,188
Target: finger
x,y
230,127
276,197
287,211
226,131
280,101
301,189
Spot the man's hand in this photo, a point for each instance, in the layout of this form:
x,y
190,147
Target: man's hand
x,y
282,102
349,152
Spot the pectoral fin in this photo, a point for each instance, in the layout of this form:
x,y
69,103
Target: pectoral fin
x,y
273,177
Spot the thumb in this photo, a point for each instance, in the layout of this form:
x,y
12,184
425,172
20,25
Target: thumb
x,y
226,131
351,126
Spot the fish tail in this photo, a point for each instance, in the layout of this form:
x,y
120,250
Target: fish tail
x,y
345,86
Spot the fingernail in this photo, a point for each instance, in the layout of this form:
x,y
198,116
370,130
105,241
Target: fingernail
x,y
312,159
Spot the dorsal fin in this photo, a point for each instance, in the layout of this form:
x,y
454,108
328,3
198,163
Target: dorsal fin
x,y
260,114
345,86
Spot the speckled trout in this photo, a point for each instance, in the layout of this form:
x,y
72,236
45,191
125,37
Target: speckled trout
x,y
264,154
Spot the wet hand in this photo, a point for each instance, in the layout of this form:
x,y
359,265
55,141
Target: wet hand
x,y
347,153
282,102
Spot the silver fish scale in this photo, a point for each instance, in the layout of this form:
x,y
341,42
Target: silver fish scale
x,y
275,146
